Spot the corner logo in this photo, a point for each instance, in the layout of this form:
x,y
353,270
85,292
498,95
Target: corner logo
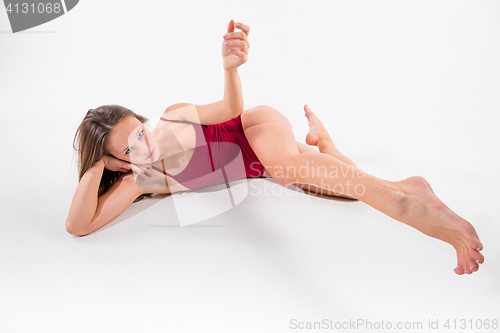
x,y
26,14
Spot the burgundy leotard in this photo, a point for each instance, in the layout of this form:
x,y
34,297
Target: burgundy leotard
x,y
216,158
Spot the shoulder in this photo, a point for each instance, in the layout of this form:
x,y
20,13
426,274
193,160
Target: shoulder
x,y
175,107
182,111
207,114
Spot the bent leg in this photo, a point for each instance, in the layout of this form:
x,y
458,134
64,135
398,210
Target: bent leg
x,y
303,148
410,201
319,136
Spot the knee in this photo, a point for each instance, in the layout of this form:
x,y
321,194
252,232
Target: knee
x,y
284,171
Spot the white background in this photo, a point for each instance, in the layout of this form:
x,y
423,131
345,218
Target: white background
x,y
404,87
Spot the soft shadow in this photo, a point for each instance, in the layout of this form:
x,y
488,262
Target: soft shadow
x,y
135,209
328,197
188,226
147,202
293,187
220,187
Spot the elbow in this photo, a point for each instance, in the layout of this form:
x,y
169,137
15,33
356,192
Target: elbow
x,y
75,230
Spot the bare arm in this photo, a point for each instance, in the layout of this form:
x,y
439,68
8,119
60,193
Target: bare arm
x,y
234,54
88,212
215,113
233,95
229,107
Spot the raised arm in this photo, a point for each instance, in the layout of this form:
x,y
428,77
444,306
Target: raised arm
x,y
234,53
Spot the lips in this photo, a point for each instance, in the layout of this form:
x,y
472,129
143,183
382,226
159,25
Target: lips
x,y
151,154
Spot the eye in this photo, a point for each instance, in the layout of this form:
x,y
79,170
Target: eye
x,y
141,134
128,150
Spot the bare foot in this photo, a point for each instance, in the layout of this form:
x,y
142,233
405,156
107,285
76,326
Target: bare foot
x,y
318,136
316,129
422,210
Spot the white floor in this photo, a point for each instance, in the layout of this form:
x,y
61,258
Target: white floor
x,y
404,88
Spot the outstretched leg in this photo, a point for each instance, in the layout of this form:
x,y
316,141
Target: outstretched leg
x,y
410,201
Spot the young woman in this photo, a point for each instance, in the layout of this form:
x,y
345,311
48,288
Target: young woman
x,y
112,141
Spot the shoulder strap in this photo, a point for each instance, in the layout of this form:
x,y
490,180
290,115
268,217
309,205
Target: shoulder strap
x,y
161,171
174,120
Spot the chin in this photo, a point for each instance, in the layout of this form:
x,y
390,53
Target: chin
x,y
156,155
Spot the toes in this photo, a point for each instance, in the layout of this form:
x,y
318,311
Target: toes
x,y
469,262
473,266
306,109
473,238
478,257
459,270
476,244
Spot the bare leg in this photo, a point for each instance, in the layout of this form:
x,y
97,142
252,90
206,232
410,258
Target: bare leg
x,y
319,136
303,148
410,201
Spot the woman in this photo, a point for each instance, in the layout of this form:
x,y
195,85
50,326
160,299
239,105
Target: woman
x,y
114,141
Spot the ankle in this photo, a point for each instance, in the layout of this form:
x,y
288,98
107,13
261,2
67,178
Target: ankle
x,y
324,136
399,202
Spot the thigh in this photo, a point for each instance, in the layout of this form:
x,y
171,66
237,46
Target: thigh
x,y
270,136
322,191
303,148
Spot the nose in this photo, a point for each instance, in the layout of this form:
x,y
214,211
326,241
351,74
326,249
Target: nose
x,y
143,148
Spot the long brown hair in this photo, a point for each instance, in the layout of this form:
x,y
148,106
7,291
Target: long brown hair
x,y
91,139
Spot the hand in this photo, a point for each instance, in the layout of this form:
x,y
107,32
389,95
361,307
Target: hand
x,y
235,52
113,164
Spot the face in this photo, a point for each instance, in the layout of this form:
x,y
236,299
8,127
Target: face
x,y
131,141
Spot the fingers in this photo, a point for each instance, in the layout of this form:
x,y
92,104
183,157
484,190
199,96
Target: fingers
x,y
141,171
147,171
240,54
245,28
237,35
235,43
230,26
